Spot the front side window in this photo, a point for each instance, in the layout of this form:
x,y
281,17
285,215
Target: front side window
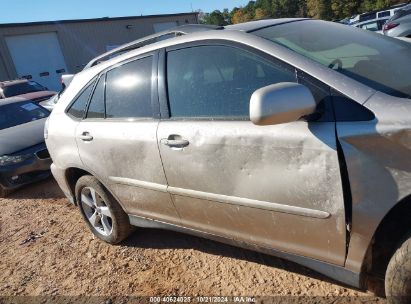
x,y
379,62
128,90
79,105
218,81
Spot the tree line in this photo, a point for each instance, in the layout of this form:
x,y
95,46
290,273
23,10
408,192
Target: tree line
x,y
319,9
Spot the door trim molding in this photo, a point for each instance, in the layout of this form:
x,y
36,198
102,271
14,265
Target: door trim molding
x,y
246,202
233,200
138,183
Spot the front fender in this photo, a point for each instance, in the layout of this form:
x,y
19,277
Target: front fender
x,y
378,157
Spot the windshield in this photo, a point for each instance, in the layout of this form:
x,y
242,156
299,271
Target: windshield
x,y
383,63
22,88
18,113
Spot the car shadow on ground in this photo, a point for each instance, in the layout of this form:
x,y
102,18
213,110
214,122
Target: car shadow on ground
x,y
163,239
46,189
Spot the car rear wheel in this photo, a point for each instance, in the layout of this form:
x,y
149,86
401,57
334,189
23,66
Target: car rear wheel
x,y
104,216
398,275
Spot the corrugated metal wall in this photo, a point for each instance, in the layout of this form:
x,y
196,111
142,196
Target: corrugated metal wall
x,y
83,40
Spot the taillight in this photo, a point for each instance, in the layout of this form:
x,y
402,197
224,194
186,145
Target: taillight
x,y
389,26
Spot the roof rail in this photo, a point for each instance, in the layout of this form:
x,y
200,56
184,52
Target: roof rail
x,y
174,32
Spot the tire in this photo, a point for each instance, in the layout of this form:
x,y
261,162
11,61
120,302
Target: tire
x,y
4,192
398,275
102,213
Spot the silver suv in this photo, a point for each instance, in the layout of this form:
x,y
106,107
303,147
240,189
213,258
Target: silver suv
x,y
289,136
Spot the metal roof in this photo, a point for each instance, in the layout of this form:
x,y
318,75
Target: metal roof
x,y
93,20
11,82
177,31
259,24
189,29
14,99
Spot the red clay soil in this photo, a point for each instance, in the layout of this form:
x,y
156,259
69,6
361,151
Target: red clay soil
x,y
47,250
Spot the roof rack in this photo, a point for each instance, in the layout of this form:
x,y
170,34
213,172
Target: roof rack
x,y
174,32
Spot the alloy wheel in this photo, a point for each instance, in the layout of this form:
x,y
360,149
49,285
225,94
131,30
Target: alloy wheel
x,y
96,211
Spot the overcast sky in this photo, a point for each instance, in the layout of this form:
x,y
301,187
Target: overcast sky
x,y
46,10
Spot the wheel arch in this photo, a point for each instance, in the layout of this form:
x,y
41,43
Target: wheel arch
x,y
73,174
388,236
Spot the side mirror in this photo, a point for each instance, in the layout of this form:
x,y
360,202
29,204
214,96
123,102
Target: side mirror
x,y
66,80
281,103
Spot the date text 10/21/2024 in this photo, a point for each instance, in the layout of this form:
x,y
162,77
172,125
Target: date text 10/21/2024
x,y
202,299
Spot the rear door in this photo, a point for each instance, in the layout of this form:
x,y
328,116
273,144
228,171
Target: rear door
x,y
275,186
117,138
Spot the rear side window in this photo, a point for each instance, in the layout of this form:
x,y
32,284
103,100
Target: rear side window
x,y
96,107
78,107
218,81
128,90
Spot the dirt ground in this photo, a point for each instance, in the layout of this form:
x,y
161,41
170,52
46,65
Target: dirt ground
x,y
47,250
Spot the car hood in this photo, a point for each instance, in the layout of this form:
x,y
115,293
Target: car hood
x,y
22,136
38,95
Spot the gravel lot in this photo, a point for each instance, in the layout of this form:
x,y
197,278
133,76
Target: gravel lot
x,y
46,250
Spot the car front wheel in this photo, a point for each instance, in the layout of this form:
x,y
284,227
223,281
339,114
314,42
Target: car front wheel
x,y
104,216
398,275
4,192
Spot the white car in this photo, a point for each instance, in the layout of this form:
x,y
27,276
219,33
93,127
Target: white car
x,y
374,25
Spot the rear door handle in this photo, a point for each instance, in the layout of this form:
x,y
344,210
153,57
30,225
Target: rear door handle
x,y
175,141
85,136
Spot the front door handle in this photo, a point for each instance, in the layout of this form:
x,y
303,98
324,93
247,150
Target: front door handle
x,y
85,136
175,141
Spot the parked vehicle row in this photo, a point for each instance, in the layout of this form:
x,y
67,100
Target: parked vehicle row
x,y
23,154
394,22
24,159
291,136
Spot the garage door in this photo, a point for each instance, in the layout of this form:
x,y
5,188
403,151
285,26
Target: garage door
x,y
38,57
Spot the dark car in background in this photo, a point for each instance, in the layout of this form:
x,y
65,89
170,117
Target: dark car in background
x,y
23,154
27,89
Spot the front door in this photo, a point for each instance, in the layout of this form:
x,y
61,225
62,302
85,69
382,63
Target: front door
x,y
275,186
117,140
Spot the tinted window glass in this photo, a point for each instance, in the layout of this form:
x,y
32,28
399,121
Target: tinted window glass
x,y
361,55
128,90
321,93
18,113
384,14
96,107
218,81
22,88
372,26
78,107
349,110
